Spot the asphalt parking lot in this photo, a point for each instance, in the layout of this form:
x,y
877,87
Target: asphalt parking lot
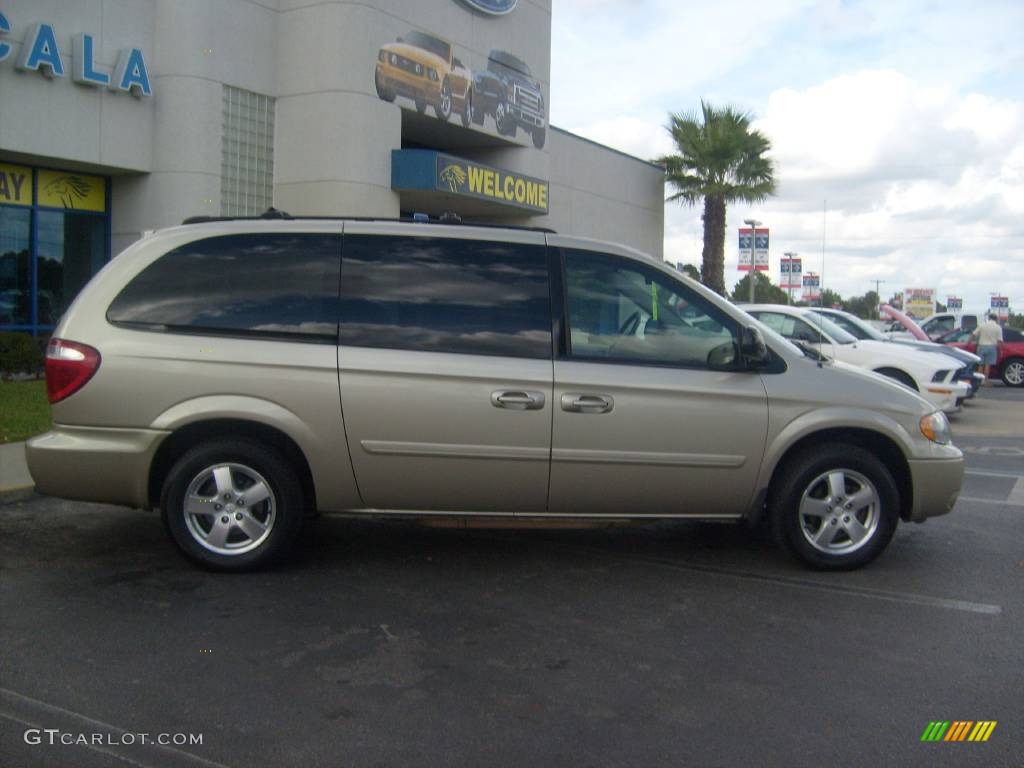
x,y
387,644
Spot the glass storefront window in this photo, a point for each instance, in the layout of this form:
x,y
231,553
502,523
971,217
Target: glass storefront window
x,y
54,236
15,268
70,249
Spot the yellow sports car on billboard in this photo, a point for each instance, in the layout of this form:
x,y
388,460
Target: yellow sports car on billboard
x,y
423,68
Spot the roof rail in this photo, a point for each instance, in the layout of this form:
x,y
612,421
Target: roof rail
x,y
448,217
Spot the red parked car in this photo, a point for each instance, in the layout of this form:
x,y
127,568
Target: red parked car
x,y
1010,363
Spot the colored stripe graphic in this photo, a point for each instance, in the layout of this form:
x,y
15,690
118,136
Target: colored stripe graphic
x,y
982,730
959,730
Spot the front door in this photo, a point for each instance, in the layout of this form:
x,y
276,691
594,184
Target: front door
x,y
649,419
445,369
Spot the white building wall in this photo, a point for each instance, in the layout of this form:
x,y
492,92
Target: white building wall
x,y
333,135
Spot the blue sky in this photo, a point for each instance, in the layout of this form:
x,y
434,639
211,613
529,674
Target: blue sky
x,y
906,116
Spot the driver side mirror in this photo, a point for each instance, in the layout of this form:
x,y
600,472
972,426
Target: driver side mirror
x,y
753,351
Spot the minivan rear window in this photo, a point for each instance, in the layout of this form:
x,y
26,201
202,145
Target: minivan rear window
x,y
281,284
445,295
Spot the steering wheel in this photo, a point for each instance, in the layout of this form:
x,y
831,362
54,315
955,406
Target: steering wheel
x,y
630,325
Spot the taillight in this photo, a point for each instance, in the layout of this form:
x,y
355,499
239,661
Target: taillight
x,y
69,365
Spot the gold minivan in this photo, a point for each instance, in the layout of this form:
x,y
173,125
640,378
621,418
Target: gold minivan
x,y
241,374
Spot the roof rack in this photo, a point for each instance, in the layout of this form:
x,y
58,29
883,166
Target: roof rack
x,y
448,217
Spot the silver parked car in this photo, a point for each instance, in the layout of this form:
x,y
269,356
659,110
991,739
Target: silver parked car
x,y
239,374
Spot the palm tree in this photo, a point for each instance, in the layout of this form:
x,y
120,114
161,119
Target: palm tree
x,y
721,160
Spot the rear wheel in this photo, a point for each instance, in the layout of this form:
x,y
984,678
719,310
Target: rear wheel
x,y
1013,372
834,506
232,505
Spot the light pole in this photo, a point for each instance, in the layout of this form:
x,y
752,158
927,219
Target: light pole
x,y
789,286
753,224
878,304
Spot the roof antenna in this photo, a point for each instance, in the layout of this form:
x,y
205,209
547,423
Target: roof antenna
x,y
273,213
450,217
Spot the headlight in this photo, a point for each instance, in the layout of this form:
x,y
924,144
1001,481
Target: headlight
x,y
382,56
433,74
936,428
394,59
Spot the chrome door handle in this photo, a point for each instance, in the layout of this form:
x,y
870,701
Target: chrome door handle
x,y
517,400
580,402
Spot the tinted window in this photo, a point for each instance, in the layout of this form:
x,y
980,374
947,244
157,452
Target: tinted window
x,y
441,295
620,310
790,327
266,284
428,43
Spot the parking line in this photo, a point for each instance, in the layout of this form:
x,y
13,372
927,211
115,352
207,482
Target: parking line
x,y
23,709
798,583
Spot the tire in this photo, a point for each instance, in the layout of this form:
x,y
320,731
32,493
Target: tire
x,y
903,378
503,121
443,108
1012,372
476,113
539,134
825,535
238,533
421,104
467,109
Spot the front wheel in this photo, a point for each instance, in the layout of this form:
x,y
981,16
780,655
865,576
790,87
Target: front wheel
x,y
443,108
1013,372
539,135
835,507
232,505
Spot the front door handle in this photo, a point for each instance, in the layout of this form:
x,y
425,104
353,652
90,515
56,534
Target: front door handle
x,y
517,400
581,402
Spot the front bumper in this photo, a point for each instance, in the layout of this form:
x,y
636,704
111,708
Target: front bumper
x,y
91,464
936,484
946,397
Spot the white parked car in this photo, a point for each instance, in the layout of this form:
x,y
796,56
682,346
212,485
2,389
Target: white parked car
x,y
853,325
929,373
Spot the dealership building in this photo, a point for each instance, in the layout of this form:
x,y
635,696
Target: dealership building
x,y
120,117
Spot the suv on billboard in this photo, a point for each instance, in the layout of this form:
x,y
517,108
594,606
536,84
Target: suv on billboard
x,y
424,68
509,91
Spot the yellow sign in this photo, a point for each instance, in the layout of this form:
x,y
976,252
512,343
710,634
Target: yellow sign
x,y
462,177
67,189
15,184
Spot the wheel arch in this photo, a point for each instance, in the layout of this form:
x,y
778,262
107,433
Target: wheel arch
x,y
191,434
900,375
876,443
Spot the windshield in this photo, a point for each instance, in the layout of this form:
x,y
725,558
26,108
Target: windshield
x,y
428,43
826,326
505,59
852,325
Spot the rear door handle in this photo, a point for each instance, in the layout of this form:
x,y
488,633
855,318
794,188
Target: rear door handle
x,y
517,400
581,402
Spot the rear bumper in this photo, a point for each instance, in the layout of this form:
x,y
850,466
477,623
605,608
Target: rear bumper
x,y
89,464
936,484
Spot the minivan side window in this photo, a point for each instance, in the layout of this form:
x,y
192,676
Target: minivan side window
x,y
621,311
270,285
437,294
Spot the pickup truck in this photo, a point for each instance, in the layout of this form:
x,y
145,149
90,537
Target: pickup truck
x,y
939,323
509,91
424,68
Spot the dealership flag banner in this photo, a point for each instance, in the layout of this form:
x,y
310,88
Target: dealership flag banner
x,y
812,287
919,302
759,240
954,303
789,272
1001,306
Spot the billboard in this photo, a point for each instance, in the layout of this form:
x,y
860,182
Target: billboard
x,y
760,243
954,303
790,272
919,303
1001,306
812,287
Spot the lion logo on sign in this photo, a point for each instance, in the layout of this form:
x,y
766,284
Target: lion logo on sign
x,y
70,189
454,176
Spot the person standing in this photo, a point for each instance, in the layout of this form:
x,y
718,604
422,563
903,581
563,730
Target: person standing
x,y
988,335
